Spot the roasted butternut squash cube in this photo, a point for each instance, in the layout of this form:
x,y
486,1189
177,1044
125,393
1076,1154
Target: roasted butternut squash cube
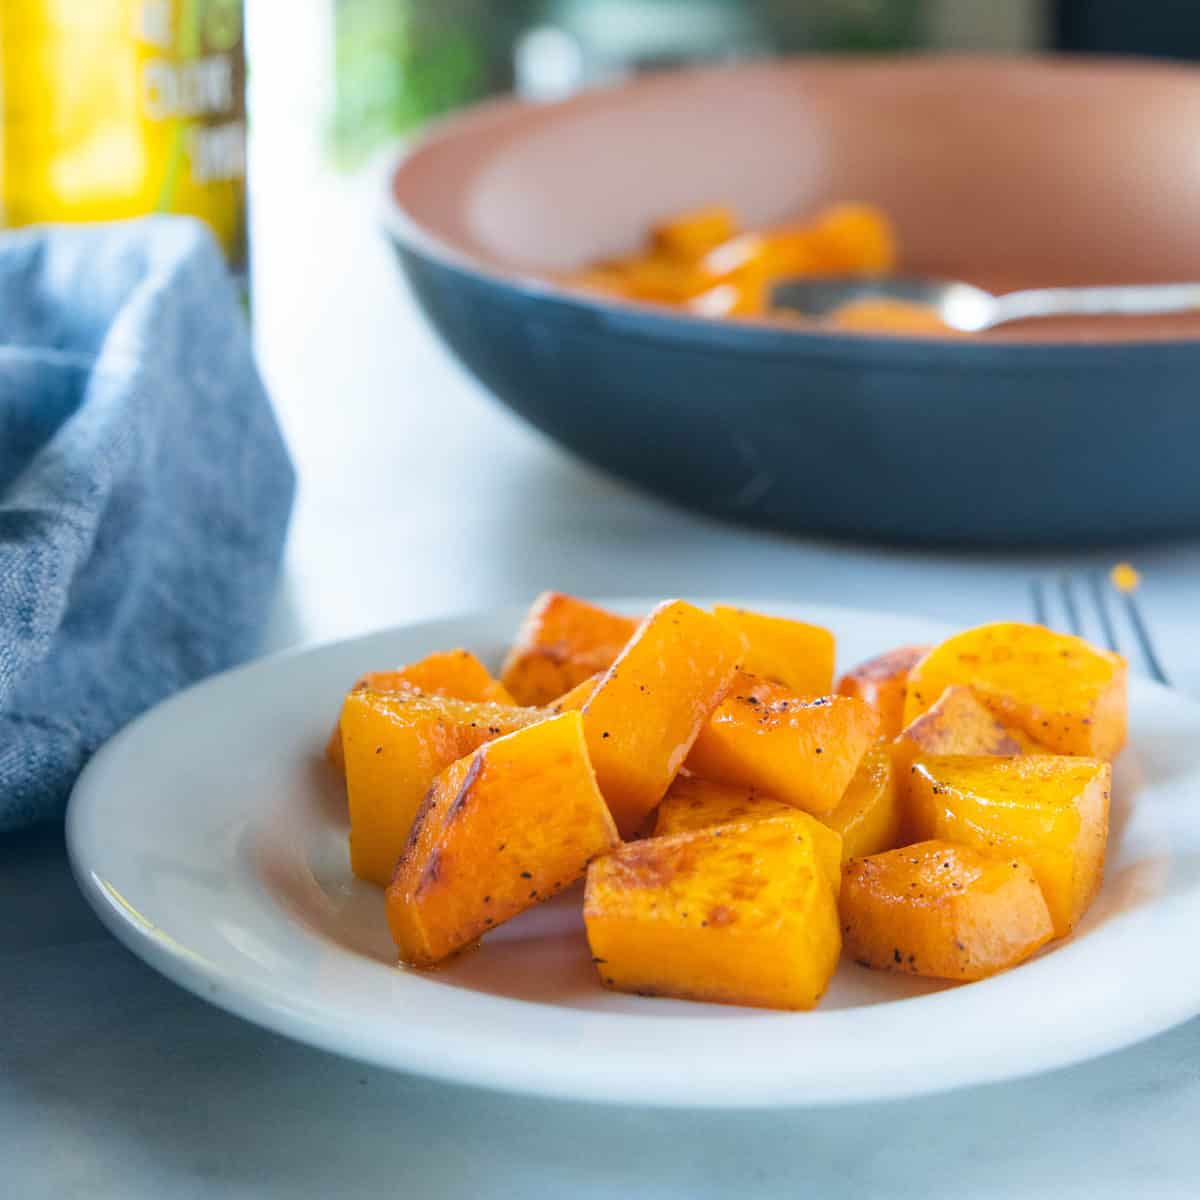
x,y
868,816
882,682
792,653
742,914
957,724
1062,691
395,744
847,239
653,277
792,250
692,804
578,696
801,751
561,642
499,831
882,314
646,711
692,234
1050,810
455,673
942,910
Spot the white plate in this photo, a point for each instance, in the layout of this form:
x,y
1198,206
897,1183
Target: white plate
x,y
211,838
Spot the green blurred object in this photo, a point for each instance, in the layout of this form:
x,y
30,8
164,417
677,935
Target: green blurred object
x,y
845,26
401,62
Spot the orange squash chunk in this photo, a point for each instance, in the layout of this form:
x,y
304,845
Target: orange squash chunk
x,y
693,804
645,713
736,266
650,278
578,696
1050,810
742,914
692,234
456,673
659,278
957,724
848,239
792,251
793,653
942,910
882,682
395,744
885,315
868,816
1062,691
801,751
499,832
561,642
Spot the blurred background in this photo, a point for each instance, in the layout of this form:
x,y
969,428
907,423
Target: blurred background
x,y
270,121
115,107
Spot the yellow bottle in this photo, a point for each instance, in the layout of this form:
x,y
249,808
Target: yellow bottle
x,y
116,108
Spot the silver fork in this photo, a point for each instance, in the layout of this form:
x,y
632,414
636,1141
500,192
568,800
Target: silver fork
x,y
1121,585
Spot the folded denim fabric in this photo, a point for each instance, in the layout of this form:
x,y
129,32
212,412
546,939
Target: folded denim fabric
x,y
144,489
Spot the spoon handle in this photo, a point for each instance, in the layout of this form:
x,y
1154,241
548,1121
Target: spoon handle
x,y
1126,300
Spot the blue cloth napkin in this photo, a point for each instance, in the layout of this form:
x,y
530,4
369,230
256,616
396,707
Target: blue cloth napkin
x,y
144,489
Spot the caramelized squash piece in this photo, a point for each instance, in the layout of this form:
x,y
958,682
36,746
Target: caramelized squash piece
x,y
886,315
455,673
868,816
1050,810
692,234
742,914
957,724
882,682
866,820
942,910
801,751
561,642
700,261
848,239
693,804
395,744
656,278
499,832
1062,691
792,251
645,713
578,696
792,653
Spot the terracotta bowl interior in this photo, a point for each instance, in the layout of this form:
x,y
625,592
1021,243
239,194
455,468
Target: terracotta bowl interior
x,y
1008,173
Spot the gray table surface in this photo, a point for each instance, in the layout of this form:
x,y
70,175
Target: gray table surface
x,y
419,498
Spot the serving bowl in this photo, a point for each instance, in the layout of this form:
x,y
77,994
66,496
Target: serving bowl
x,y
1003,172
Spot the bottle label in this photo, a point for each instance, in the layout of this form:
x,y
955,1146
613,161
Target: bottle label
x,y
138,109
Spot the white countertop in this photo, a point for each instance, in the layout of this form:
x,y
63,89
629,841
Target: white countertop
x,y
420,497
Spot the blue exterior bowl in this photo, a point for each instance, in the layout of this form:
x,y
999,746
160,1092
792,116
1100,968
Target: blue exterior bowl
x,y
928,440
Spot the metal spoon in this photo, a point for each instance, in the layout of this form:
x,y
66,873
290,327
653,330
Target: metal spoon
x,y
971,309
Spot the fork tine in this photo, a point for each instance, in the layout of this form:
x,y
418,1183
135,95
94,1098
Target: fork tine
x,y
1100,599
1038,596
1134,613
1123,579
1066,587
